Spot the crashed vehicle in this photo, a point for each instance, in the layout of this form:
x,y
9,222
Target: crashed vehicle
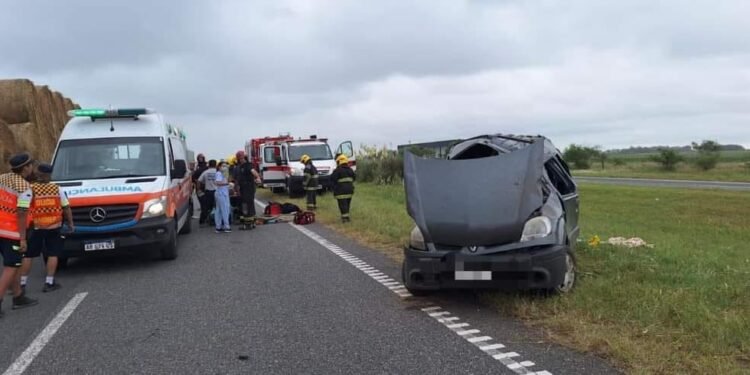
x,y
500,212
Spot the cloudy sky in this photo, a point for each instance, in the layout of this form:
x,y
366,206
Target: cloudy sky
x,y
387,72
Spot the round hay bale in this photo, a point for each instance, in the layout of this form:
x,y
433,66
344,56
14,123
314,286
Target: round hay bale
x,y
16,96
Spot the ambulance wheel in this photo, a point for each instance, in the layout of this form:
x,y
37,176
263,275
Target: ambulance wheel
x,y
188,227
169,251
62,263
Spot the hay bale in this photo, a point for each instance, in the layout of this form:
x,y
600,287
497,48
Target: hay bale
x,y
16,96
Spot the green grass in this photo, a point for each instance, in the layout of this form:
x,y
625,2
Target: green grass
x,y
725,156
681,307
727,171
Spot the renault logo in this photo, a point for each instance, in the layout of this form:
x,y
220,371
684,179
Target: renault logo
x,y
97,214
473,249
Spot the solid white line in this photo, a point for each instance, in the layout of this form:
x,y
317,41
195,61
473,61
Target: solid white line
x,y
467,332
492,347
479,339
24,360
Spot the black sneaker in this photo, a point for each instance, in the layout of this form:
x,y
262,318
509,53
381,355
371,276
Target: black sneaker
x,y
228,230
22,301
51,287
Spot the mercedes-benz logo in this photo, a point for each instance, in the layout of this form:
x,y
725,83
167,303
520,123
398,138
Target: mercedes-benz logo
x,y
97,214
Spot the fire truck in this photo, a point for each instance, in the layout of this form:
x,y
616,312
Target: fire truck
x,y
277,160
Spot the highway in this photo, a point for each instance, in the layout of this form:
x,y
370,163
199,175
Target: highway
x,y
279,299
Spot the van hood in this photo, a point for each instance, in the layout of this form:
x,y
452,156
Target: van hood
x,y
474,202
113,187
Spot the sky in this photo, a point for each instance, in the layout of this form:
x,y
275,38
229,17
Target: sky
x,y
390,72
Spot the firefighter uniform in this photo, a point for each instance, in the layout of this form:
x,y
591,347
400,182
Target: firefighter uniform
x,y
310,182
343,186
245,179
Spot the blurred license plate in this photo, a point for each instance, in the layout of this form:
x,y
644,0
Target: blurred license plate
x,y
100,245
473,275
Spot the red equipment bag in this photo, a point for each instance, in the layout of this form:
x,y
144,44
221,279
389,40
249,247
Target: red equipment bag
x,y
304,218
273,209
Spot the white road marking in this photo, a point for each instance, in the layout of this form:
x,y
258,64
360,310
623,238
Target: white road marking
x,y
435,312
24,360
467,332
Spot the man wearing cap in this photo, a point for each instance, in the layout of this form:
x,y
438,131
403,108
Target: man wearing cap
x,y
15,200
246,178
47,207
310,182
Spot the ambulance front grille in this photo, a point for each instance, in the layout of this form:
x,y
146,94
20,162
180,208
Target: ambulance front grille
x,y
112,214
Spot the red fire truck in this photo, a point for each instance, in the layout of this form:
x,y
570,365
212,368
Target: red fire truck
x,y
277,159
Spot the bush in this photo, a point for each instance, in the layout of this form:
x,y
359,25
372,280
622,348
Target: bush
x,y
580,156
708,154
618,162
668,159
379,166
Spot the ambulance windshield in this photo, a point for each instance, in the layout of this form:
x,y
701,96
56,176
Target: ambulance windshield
x,y
83,159
319,151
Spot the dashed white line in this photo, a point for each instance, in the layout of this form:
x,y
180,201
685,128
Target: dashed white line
x,y
24,360
471,335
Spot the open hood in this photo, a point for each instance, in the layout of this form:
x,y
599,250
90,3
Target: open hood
x,y
474,202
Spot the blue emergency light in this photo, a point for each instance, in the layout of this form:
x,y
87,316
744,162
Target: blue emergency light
x,y
107,113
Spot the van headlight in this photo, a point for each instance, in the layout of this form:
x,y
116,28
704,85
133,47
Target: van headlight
x,y
296,172
155,207
537,227
416,239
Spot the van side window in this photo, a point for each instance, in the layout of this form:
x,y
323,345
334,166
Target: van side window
x,y
560,179
171,155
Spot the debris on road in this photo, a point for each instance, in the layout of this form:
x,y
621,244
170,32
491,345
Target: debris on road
x,y
629,242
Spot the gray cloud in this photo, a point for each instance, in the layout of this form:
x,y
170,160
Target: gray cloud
x,y
387,72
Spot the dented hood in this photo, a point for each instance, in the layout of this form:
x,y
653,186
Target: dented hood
x,y
474,202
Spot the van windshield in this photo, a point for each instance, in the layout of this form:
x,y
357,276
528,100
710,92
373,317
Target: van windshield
x,y
82,159
315,152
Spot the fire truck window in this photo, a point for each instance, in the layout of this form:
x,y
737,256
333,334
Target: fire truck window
x,y
270,154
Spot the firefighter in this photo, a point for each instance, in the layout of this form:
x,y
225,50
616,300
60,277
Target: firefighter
x,y
246,178
48,205
200,168
342,179
15,200
310,183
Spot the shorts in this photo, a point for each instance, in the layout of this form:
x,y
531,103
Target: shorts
x,y
10,249
45,241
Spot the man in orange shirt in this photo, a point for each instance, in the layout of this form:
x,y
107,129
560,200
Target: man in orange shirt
x,y
15,200
47,207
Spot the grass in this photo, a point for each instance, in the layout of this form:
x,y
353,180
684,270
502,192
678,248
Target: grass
x,y
725,156
681,307
725,171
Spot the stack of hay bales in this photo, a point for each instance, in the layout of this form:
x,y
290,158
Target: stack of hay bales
x,y
31,119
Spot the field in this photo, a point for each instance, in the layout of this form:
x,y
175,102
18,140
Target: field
x,y
680,307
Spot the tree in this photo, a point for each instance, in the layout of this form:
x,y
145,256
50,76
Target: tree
x,y
579,156
668,158
599,155
708,154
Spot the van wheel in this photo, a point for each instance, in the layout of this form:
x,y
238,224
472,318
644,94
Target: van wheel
x,y
169,251
571,269
188,227
62,263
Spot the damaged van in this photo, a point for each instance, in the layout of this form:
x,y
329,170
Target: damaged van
x,y
500,212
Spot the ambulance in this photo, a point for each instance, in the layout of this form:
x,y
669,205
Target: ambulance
x,y
126,176
277,160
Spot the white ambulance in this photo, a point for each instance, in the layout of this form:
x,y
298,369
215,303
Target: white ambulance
x,y
125,173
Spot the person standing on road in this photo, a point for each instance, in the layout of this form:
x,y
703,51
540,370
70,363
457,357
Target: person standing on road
x,y
207,180
223,208
246,179
201,167
343,186
47,207
15,200
310,182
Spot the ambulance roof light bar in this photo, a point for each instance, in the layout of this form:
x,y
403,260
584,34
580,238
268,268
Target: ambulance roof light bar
x,y
109,113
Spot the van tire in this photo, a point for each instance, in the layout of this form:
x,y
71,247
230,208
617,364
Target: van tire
x,y
169,251
188,227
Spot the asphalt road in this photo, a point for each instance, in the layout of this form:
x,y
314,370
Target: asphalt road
x,y
274,300
741,186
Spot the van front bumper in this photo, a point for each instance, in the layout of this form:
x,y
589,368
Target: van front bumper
x,y
527,268
145,235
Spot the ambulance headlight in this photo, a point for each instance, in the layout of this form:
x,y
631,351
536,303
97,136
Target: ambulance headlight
x,y
155,207
297,172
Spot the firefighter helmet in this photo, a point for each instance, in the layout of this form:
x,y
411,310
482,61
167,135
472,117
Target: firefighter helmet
x,y
304,159
342,160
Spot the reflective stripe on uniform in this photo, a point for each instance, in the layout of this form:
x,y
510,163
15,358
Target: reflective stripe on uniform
x,y
345,179
343,196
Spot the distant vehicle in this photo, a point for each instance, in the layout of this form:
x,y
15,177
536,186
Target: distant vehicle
x,y
277,159
125,174
500,212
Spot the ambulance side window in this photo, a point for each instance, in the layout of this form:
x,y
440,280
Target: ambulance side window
x,y
176,151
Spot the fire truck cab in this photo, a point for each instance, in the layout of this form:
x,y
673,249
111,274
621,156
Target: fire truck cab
x,y
277,160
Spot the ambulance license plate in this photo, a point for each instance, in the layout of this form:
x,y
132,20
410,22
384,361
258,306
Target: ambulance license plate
x,y
100,245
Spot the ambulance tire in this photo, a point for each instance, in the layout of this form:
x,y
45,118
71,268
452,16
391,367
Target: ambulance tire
x,y
169,251
292,193
187,228
277,190
62,262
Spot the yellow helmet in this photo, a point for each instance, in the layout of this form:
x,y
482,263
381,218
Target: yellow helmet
x,y
232,160
304,159
342,160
